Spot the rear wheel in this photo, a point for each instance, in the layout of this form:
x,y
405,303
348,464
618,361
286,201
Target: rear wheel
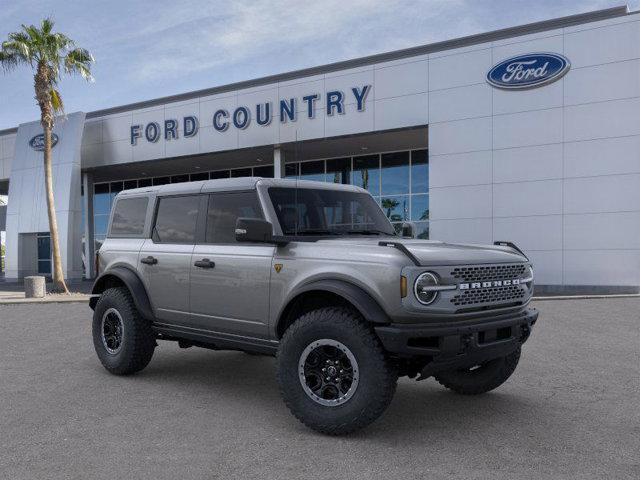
x,y
480,378
333,373
123,340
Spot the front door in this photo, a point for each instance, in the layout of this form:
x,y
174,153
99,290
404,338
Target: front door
x,y
230,280
165,259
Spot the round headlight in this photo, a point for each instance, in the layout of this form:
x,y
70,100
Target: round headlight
x,y
422,288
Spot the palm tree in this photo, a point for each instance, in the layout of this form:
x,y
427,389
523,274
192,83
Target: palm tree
x,y
389,204
47,53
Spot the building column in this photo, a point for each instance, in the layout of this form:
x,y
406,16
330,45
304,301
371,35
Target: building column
x,y
89,244
278,163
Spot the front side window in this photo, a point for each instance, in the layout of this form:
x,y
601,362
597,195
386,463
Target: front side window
x,y
176,219
308,211
224,209
128,216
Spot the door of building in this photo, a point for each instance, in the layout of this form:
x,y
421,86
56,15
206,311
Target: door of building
x,y
44,253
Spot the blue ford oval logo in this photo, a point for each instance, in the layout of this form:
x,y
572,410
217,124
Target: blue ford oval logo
x,y
528,71
37,142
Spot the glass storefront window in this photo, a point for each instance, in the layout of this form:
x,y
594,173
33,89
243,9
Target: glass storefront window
x,y
419,207
312,171
161,180
399,182
101,199
100,224
291,170
115,188
265,171
419,171
240,172
219,174
339,170
396,208
179,178
196,177
395,173
421,230
129,184
366,173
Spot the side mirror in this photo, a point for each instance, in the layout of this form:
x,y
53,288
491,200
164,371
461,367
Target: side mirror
x,y
254,230
408,230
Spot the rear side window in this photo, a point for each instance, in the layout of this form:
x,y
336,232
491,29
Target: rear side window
x,y
224,209
128,216
176,219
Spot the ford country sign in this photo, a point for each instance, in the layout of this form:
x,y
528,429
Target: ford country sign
x,y
528,71
37,142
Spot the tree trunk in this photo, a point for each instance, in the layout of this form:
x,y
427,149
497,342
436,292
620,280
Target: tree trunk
x,y
42,85
59,285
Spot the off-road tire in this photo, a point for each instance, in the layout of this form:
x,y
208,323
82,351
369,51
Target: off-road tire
x,y
138,340
377,376
480,380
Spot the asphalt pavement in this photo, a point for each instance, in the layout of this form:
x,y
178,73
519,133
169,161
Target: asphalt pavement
x,y
571,410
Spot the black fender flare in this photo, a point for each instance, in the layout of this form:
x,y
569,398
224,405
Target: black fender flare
x,y
368,307
132,281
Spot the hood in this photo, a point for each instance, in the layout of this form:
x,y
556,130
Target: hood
x,y
432,252
440,253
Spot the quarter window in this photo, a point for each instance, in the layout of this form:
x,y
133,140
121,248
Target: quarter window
x,y
176,219
224,209
128,216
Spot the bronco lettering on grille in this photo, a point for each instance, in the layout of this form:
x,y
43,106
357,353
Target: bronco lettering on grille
x,y
493,283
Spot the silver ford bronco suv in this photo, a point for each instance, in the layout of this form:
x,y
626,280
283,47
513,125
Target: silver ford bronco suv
x,y
314,274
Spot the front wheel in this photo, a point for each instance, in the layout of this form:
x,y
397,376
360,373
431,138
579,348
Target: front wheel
x,y
480,378
333,373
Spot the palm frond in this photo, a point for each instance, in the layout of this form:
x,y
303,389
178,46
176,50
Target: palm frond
x,y
20,44
35,35
47,25
8,60
79,60
56,101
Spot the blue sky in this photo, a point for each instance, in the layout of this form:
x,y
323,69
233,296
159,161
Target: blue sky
x,y
145,50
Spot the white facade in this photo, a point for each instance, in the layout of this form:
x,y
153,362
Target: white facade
x,y
555,169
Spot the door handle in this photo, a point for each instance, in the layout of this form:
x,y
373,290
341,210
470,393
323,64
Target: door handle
x,y
149,260
204,263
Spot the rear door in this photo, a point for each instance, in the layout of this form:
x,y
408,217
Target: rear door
x,y
165,258
230,280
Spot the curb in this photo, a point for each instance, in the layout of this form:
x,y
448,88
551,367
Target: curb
x,y
18,301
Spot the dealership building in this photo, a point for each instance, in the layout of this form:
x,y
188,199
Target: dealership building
x,y
529,134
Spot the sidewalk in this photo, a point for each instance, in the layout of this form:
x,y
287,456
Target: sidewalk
x,y
13,293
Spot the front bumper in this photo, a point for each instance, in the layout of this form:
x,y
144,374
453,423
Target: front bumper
x,y
464,344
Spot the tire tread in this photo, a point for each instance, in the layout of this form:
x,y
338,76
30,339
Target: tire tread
x,y
350,322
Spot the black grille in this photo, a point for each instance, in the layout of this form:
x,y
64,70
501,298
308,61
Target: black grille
x,y
489,295
487,273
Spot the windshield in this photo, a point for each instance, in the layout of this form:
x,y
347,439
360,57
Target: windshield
x,y
309,211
